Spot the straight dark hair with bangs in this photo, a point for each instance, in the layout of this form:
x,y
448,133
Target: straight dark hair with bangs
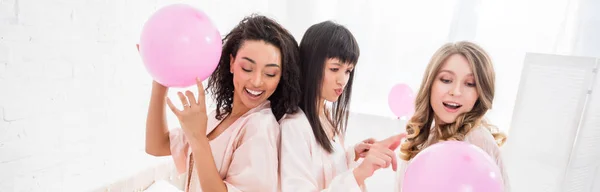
x,y
323,41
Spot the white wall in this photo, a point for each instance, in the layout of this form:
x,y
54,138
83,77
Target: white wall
x,y
74,94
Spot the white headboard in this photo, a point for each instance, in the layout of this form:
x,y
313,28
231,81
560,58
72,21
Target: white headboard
x,y
554,137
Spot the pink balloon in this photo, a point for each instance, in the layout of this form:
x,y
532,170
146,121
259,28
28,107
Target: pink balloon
x,y
401,100
178,44
452,166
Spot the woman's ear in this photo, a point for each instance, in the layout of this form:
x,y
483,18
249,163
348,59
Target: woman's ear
x,y
231,60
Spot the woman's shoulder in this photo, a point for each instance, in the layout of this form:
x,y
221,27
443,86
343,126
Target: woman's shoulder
x,y
262,115
296,122
480,133
298,116
482,137
294,119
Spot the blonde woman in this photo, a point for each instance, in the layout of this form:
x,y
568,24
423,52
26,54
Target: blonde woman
x,y
456,92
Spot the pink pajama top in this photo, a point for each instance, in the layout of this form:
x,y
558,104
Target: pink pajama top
x,y
245,154
306,167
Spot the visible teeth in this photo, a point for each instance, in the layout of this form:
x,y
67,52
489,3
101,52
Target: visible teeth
x,y
453,104
256,93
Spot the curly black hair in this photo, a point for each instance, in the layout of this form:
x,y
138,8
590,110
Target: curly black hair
x,y
286,97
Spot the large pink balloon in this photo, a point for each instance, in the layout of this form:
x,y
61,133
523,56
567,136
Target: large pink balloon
x,y
452,166
179,43
401,100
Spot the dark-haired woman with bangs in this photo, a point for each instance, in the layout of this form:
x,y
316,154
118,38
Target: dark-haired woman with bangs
x,y
313,156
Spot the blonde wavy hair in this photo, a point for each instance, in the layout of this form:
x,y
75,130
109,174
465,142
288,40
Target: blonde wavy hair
x,y
419,126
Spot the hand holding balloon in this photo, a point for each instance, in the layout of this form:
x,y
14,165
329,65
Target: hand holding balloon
x,y
178,44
